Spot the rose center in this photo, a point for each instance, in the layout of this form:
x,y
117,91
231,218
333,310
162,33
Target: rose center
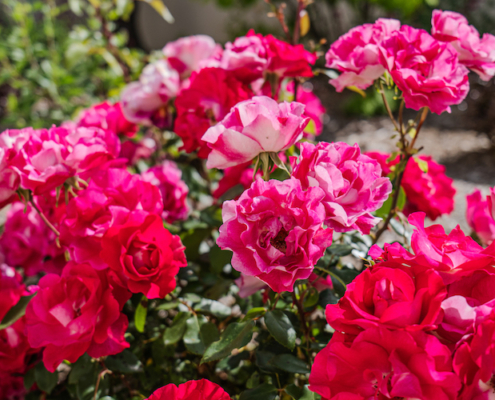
x,y
279,241
143,255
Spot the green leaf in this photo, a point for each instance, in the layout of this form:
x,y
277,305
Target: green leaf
x,y
235,336
422,164
290,363
29,379
45,380
280,327
340,250
311,298
299,393
200,334
125,362
254,313
16,312
161,9
262,392
80,368
213,307
191,241
175,332
140,314
219,258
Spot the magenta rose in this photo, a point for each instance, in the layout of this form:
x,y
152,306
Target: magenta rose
x,y
14,349
209,98
479,218
167,177
390,295
11,288
144,255
252,127
191,390
383,364
108,117
352,182
478,54
76,313
357,54
426,70
275,230
9,181
12,387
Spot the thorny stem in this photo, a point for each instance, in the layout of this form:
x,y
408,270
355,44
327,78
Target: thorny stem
x,y
424,114
43,217
279,13
100,376
297,25
387,106
304,324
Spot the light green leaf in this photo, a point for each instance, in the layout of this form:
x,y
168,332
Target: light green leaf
x,y
254,313
213,307
140,314
161,9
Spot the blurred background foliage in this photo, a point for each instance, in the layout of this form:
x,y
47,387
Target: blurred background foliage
x,y
57,57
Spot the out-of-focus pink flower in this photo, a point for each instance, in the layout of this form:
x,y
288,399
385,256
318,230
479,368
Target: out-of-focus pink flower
x,y
28,243
11,288
276,232
108,117
14,349
12,387
134,151
478,54
491,202
186,54
426,70
241,174
357,54
383,364
208,99
167,177
143,254
431,192
76,313
479,218
191,390
9,181
89,215
352,182
252,127
145,102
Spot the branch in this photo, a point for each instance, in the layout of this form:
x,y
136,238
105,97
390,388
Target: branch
x,y
43,217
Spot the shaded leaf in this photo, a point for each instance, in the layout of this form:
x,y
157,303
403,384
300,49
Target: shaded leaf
x,y
200,334
235,336
125,362
290,363
280,327
262,392
175,332
340,250
254,313
45,380
300,393
16,312
213,307
219,258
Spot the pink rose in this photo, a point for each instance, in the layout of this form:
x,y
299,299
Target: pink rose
x,y
357,54
14,349
108,117
426,70
90,215
241,174
392,296
275,231
252,127
11,288
144,255
186,54
133,151
74,314
12,387
383,364
382,159
478,54
191,390
209,98
479,218
9,181
167,177
145,102
352,183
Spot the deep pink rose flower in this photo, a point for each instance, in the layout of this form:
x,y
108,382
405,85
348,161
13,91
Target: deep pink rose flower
x,y
9,180
144,255
382,159
357,54
276,232
11,288
108,117
167,177
284,59
133,151
208,99
93,211
478,54
241,174
191,390
352,183
12,387
252,127
383,364
186,54
426,70
479,218
74,314
14,349
390,295
28,243
145,102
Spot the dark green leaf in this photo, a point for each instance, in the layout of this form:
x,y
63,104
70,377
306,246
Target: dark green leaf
x,y
45,380
16,312
262,392
290,363
254,313
311,298
192,241
29,379
219,258
340,250
125,362
264,361
175,332
200,334
299,393
81,367
235,336
140,314
213,307
327,297
280,327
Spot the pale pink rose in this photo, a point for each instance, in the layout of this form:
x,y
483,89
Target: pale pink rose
x,y
186,54
478,54
275,231
252,127
352,182
145,102
357,56
167,177
426,70
247,56
479,218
